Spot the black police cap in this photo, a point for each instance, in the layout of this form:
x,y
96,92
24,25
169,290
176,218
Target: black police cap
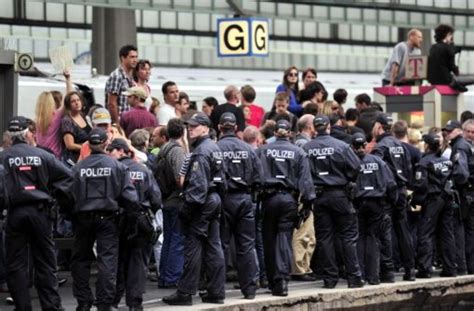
x,y
451,125
228,118
283,124
432,139
199,118
97,136
119,143
358,139
321,120
18,124
384,119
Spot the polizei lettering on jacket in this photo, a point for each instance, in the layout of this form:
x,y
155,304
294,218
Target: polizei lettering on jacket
x,y
96,172
319,152
442,166
369,167
285,154
137,175
397,151
24,161
235,155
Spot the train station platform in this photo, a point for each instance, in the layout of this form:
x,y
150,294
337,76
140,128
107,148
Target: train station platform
x,y
424,294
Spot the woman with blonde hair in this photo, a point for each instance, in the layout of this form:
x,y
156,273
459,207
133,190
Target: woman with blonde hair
x,y
327,108
48,123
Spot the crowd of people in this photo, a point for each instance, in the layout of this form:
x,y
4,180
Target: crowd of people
x,y
306,191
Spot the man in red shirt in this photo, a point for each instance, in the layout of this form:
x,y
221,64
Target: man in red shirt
x,y
138,117
255,113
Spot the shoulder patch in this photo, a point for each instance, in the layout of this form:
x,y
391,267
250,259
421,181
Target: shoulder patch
x,y
195,166
456,157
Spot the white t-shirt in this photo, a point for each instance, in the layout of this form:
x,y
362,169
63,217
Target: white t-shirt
x,y
166,113
400,54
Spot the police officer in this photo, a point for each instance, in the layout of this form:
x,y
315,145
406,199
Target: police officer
x,y
32,177
137,237
374,184
391,150
243,172
462,156
101,185
204,182
334,166
433,191
286,176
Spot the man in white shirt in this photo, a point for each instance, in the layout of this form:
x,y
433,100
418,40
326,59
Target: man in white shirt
x,y
171,96
394,71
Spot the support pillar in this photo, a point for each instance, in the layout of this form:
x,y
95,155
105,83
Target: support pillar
x,y
111,29
8,88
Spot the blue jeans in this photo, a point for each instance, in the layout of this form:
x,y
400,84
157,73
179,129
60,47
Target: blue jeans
x,y
172,257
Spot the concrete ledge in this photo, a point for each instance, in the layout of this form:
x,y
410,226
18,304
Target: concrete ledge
x,y
424,294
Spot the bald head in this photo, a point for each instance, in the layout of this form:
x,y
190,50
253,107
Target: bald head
x,y
415,38
231,94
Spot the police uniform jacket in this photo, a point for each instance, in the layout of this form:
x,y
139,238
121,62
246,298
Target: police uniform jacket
x,y
395,154
462,156
243,167
333,162
431,176
148,191
205,172
375,180
285,166
2,189
33,175
102,183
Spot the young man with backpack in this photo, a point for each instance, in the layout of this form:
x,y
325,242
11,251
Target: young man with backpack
x,y
166,170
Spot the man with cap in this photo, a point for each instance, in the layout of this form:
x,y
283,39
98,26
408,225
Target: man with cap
x,y
204,183
138,117
101,186
334,166
375,185
286,177
32,178
392,151
433,191
136,238
462,156
243,173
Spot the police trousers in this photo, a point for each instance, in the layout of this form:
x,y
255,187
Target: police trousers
x,y
134,255
28,228
467,208
202,244
402,231
370,216
304,243
279,215
102,228
436,218
238,220
335,214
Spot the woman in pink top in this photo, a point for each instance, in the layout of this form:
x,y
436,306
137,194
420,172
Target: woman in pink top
x,y
48,120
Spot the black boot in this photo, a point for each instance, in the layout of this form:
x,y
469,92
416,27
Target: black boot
x,y
179,299
206,298
356,284
136,308
104,308
280,288
83,306
409,275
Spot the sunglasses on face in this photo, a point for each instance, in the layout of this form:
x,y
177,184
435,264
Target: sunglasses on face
x,y
293,74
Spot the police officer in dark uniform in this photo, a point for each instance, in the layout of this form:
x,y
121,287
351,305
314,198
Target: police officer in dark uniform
x,y
334,166
101,186
462,156
136,237
375,183
286,177
204,183
243,171
433,191
391,150
32,178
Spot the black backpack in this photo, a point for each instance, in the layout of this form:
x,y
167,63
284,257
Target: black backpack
x,y
164,173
